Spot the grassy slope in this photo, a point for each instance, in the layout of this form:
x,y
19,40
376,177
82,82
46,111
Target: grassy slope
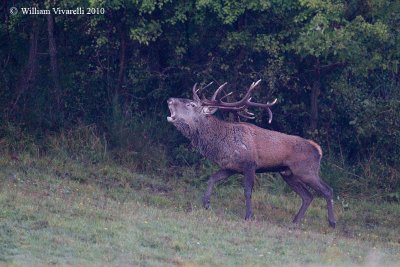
x,y
47,217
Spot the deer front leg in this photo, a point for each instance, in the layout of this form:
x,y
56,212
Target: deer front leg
x,y
216,177
249,175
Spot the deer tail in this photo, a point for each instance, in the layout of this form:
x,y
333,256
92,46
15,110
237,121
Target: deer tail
x,y
316,146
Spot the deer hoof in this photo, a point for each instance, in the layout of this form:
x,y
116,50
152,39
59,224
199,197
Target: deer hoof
x,y
206,204
332,224
248,217
295,226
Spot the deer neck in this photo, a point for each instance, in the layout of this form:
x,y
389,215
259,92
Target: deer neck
x,y
208,136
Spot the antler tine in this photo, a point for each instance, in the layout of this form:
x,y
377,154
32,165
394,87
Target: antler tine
x,y
195,96
259,105
196,90
214,97
273,102
257,82
245,116
225,96
251,89
207,85
248,112
266,106
270,115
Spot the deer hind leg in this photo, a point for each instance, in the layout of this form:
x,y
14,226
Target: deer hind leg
x,y
249,176
216,177
300,188
326,191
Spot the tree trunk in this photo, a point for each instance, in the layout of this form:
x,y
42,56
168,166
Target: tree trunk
x,y
28,75
54,62
120,90
5,12
122,64
315,91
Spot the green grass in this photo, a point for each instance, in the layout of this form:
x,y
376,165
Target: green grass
x,y
60,211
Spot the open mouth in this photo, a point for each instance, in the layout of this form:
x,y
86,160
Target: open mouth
x,y
172,117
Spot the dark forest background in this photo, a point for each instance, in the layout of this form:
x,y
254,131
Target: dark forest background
x,y
97,85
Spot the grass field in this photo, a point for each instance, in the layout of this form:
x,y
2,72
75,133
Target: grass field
x,y
60,211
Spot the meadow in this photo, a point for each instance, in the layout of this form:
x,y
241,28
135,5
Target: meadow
x,y
57,210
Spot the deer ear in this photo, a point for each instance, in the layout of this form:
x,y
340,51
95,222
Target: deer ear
x,y
209,110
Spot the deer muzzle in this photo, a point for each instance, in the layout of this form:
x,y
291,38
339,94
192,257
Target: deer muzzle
x,y
171,109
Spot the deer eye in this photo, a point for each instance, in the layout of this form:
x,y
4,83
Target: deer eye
x,y
191,104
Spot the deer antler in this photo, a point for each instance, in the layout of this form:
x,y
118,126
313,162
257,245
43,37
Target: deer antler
x,y
239,106
214,97
195,90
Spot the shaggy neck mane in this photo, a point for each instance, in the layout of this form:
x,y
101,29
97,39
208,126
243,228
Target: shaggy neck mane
x,y
209,136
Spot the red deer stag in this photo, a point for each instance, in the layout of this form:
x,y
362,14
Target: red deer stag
x,y
247,149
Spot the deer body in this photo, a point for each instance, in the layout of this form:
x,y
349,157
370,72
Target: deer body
x,y
231,145
246,149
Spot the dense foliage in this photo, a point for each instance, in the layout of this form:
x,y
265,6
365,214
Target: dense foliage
x,y
333,65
